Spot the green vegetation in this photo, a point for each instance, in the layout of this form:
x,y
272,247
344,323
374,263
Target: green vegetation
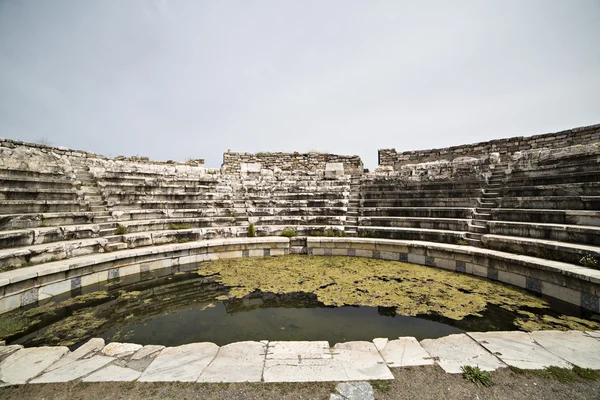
x,y
364,234
462,242
411,289
560,374
251,230
289,232
121,229
177,226
383,386
476,375
589,261
586,373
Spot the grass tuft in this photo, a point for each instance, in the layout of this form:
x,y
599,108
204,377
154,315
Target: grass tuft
x,y
289,232
176,226
476,375
121,229
383,386
251,230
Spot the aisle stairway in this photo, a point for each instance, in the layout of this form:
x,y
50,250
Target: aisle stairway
x,y
490,199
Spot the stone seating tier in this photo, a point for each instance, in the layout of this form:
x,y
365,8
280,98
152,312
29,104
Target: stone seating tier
x,y
589,235
558,189
27,193
422,194
569,217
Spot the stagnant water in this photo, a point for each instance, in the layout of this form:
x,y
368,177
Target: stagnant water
x,y
183,308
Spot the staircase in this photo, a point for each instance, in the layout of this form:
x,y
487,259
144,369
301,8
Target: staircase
x,y
489,199
91,195
352,214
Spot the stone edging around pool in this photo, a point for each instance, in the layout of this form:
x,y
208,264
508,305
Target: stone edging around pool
x,y
266,361
571,283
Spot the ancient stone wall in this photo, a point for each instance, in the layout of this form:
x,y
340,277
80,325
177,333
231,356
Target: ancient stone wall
x,y
59,151
505,147
233,162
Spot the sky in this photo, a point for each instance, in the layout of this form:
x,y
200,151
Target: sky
x,y
191,79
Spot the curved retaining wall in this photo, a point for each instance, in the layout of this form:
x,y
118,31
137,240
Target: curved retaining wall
x,y
576,285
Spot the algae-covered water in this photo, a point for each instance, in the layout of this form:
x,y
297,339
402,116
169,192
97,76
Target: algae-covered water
x,y
287,298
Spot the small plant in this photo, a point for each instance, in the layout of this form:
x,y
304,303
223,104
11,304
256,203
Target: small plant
x,y
586,373
289,232
232,214
176,226
556,373
364,234
121,229
476,375
462,242
516,370
589,261
251,230
382,386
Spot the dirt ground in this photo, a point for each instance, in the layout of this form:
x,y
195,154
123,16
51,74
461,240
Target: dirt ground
x,y
411,383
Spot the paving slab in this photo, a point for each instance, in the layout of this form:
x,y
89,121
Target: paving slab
x,y
361,361
113,373
306,370
236,362
594,334
25,364
147,351
182,363
404,352
6,351
380,343
518,349
574,346
120,350
454,351
356,390
92,346
298,350
74,370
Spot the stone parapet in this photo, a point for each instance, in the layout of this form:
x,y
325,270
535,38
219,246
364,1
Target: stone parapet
x,y
505,147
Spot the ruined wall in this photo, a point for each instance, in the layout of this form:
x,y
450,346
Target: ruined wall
x,y
60,151
505,147
291,161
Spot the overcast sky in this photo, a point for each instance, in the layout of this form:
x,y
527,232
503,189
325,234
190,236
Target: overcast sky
x,y
191,79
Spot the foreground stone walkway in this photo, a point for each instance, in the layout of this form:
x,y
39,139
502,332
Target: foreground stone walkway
x,y
295,361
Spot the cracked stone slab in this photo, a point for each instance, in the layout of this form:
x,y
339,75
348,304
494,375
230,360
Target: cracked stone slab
x,y
74,370
454,351
306,370
404,352
120,350
298,350
518,349
92,346
236,362
113,373
594,334
574,346
25,364
182,363
380,343
6,351
361,361
356,390
150,350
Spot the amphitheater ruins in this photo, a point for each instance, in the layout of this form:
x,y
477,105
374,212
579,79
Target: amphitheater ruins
x,y
524,211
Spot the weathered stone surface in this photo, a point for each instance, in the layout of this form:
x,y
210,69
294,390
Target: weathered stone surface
x,y
298,350
405,351
361,360
356,390
573,346
594,334
113,373
120,350
380,343
518,349
74,370
6,351
455,351
147,351
306,370
90,347
182,363
236,362
25,364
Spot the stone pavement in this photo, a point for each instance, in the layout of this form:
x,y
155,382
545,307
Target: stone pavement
x,y
314,361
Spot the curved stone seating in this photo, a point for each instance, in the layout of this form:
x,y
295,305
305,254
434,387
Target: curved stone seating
x,y
574,284
542,248
574,217
428,235
558,232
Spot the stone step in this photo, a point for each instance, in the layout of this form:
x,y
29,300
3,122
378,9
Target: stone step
x,y
479,222
102,218
97,208
107,231
474,242
473,235
116,246
477,229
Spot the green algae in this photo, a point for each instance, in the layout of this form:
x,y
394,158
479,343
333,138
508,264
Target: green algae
x,y
530,322
411,289
70,330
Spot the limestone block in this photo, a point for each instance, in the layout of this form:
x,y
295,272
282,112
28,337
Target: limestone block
x,y
573,346
25,364
403,352
74,370
237,362
455,351
182,363
91,347
120,350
